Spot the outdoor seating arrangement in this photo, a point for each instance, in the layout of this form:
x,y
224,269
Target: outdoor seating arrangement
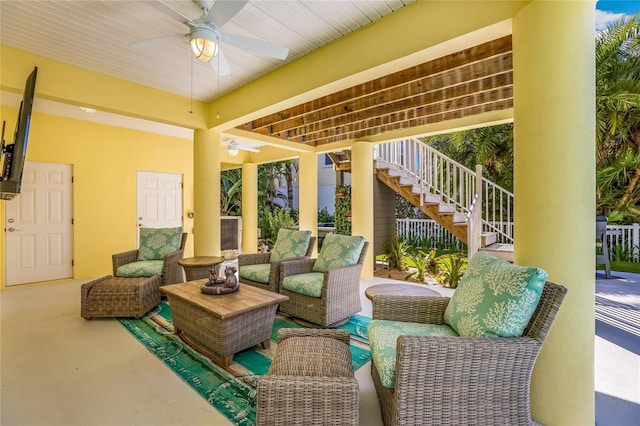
x,y
310,380
467,359
325,291
262,270
158,254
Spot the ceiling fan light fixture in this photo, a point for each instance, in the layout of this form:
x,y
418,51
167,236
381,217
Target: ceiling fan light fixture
x,y
232,148
204,43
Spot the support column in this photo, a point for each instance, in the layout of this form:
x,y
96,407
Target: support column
x,y
206,193
249,208
308,193
554,166
362,199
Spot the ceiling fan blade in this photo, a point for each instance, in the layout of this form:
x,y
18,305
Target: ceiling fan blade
x,y
246,148
152,42
220,65
223,10
260,47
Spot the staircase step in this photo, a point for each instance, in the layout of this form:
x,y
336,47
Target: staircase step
x,y
501,251
488,238
459,218
446,209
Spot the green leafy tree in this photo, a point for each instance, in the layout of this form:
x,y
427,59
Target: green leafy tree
x,y
231,192
490,146
618,120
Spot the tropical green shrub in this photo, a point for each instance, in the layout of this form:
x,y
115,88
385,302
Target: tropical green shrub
x,y
451,269
421,261
272,221
622,253
394,252
324,216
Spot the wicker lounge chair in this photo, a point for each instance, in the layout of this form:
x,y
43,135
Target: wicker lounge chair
x,y
171,271
338,288
258,262
460,380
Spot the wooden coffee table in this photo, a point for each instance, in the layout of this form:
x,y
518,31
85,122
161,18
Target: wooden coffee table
x,y
198,267
399,289
225,324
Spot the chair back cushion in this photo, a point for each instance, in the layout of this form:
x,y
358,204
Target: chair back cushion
x,y
494,298
258,273
289,244
338,251
143,268
383,337
308,284
155,243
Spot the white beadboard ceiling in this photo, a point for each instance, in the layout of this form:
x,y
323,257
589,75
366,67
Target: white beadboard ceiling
x,y
97,35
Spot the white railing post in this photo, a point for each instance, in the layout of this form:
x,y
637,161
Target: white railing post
x,y
635,245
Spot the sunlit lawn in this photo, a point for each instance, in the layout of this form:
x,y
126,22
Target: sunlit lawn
x,y
631,267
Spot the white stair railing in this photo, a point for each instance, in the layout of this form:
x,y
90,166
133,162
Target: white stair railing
x,y
439,178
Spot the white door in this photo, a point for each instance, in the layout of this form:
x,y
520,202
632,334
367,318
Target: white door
x,y
159,200
38,226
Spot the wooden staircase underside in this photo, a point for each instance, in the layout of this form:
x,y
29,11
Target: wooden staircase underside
x,y
433,207
437,211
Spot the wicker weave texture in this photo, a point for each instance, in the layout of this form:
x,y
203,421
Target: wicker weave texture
x,y
459,380
310,381
274,271
171,271
109,297
340,292
222,337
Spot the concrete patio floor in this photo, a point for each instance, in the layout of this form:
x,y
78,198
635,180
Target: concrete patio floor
x,y
617,349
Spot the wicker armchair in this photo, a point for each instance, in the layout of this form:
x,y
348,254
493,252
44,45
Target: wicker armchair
x,y
273,283
460,380
340,297
171,272
310,381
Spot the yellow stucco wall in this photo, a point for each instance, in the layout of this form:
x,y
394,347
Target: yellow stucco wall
x,y
105,160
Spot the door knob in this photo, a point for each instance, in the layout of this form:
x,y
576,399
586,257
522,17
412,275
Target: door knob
x,y
13,229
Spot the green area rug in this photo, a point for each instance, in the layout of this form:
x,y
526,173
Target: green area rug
x,y
231,390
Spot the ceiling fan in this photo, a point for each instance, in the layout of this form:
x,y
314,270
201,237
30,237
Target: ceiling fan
x,y
234,147
205,36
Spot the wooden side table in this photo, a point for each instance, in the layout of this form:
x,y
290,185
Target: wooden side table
x,y
399,289
198,267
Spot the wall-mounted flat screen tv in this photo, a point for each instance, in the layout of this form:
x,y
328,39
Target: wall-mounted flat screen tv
x,y
13,155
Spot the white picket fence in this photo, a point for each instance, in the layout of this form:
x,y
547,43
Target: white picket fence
x,y
625,237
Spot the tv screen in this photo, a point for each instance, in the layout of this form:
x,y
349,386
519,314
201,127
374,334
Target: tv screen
x,y
13,155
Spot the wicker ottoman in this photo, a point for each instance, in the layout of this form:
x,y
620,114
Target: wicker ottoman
x,y
310,381
119,297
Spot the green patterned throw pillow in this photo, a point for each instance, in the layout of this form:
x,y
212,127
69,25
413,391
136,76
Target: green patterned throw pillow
x,y
290,243
338,251
155,243
494,298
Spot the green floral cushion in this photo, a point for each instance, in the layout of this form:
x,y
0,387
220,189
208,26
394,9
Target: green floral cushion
x,y
338,251
155,243
143,268
494,298
383,338
289,244
308,284
258,273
